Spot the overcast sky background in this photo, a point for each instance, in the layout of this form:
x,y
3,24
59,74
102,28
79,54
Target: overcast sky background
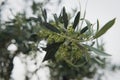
x,y
104,10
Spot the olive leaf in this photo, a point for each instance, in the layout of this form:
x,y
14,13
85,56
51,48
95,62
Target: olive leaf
x,y
98,25
51,49
97,51
65,18
105,28
44,13
56,19
98,60
76,20
84,30
51,27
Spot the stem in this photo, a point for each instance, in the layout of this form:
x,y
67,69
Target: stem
x,y
74,40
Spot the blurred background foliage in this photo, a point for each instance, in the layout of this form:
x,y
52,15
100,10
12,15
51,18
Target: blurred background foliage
x,y
73,50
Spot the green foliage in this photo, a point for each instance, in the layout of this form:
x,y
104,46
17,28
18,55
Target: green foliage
x,y
70,50
70,36
105,28
97,51
51,27
65,18
76,21
51,50
84,30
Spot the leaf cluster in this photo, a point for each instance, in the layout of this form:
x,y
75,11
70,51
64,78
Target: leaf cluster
x,y
71,46
66,35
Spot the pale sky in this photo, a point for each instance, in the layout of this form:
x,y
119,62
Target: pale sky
x,y
104,10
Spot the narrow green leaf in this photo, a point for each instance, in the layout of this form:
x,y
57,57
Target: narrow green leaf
x,y
34,7
76,20
65,18
44,13
105,28
97,51
51,49
97,25
51,27
98,61
92,44
84,30
56,19
60,18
